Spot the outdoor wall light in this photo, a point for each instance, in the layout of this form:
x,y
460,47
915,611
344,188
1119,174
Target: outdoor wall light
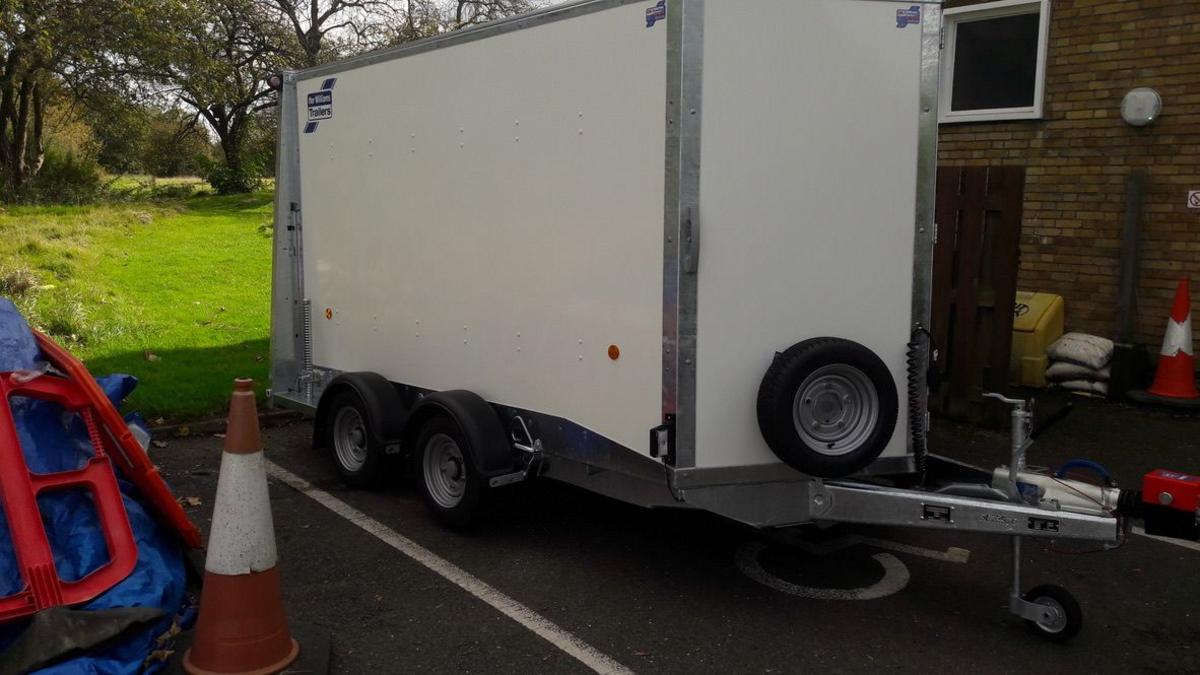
x,y
1141,106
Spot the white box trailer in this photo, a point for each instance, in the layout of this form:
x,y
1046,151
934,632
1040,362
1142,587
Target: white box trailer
x,y
674,252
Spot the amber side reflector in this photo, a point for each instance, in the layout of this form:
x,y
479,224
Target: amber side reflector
x,y
614,352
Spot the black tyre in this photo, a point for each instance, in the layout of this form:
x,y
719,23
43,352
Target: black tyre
x,y
358,456
1062,625
450,481
827,407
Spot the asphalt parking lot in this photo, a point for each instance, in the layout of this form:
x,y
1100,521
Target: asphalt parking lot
x,y
672,591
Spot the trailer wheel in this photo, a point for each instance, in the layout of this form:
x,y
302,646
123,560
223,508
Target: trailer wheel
x,y
827,407
1060,626
450,481
358,456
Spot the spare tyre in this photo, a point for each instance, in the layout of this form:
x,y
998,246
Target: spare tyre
x,y
827,407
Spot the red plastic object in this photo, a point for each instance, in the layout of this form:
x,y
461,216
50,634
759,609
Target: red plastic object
x,y
1172,489
19,489
122,446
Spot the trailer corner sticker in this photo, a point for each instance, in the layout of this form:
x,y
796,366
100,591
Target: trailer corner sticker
x,y
656,13
320,105
904,17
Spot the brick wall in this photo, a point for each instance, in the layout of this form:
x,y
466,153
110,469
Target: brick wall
x,y
1079,154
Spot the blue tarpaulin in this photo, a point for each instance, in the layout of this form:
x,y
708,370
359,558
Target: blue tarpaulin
x,y
52,442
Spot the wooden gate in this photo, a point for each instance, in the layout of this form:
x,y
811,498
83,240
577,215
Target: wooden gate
x,y
975,264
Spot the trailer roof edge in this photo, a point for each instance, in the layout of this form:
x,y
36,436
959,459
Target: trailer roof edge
x,y
464,35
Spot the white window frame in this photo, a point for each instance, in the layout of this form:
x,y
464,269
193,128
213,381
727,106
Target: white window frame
x,y
991,10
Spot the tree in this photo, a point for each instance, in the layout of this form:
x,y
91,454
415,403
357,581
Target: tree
x,y
172,145
471,12
217,64
326,29
41,40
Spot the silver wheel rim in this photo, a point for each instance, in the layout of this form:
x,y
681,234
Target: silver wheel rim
x,y
835,410
1049,621
350,439
445,471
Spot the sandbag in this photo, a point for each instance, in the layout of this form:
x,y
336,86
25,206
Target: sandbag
x,y
1062,371
1080,348
1085,386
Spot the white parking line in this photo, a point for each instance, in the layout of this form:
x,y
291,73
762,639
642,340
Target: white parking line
x,y
538,624
1166,540
953,554
895,578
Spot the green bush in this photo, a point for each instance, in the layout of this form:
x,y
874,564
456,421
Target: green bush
x,y
63,179
227,180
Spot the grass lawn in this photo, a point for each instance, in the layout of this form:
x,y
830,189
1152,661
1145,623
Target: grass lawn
x,y
175,292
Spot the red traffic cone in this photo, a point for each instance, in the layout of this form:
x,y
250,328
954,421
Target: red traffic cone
x,y
1176,374
242,626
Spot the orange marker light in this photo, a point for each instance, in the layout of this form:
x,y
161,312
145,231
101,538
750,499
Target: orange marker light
x,y
614,352
328,312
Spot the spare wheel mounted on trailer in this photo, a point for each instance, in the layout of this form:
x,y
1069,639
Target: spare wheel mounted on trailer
x,y
827,407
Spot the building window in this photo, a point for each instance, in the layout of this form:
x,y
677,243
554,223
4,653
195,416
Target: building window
x,y
994,61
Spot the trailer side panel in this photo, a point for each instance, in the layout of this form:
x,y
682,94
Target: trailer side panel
x,y
489,216
809,155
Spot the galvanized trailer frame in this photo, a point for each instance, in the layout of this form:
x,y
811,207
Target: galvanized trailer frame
x,y
771,495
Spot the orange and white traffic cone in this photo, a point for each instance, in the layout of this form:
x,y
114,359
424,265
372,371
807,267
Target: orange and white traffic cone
x,y
1176,374
242,627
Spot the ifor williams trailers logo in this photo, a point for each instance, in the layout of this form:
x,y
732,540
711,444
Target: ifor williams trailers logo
x,y
656,13
320,105
905,17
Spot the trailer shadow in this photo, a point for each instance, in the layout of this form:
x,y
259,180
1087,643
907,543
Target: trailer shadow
x,y
188,383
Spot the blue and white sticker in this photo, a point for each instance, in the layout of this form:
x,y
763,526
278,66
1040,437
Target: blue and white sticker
x,y
656,13
904,17
320,105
